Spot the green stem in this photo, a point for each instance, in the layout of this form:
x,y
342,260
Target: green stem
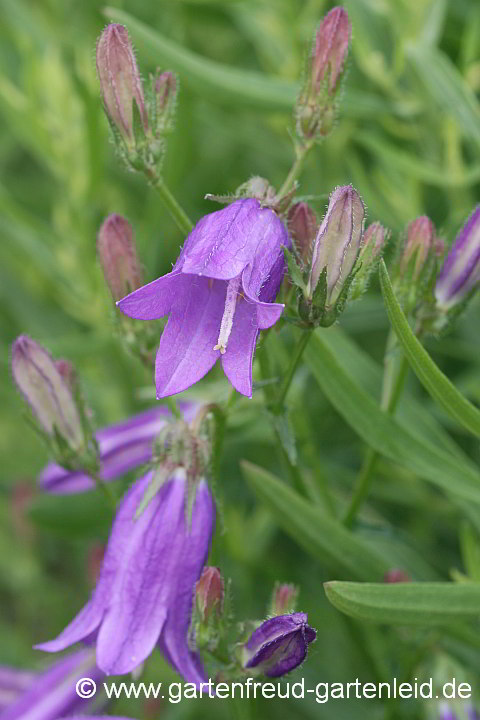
x,y
391,396
105,489
288,377
174,208
301,152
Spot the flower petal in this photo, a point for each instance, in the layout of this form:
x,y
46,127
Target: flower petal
x,y
186,351
154,300
83,625
238,359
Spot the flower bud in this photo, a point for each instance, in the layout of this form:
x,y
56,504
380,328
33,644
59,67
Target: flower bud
x,y
279,645
46,391
374,240
302,225
396,575
118,256
284,599
165,99
210,593
460,273
317,107
68,373
338,242
420,244
120,81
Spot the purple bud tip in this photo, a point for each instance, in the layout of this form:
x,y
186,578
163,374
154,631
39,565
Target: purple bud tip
x,y
46,391
338,241
331,48
374,240
165,89
284,598
118,256
421,241
279,645
302,225
396,575
120,81
210,592
460,273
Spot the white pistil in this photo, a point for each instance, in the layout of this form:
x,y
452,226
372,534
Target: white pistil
x,y
228,315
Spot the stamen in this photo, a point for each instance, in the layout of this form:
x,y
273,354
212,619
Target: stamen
x,y
228,315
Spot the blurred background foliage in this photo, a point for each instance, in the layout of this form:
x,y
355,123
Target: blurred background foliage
x,y
408,138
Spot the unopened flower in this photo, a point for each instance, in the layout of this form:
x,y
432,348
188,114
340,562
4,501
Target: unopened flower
x,y
302,225
52,694
284,599
460,273
120,81
279,645
374,240
420,244
48,395
317,106
165,99
210,593
118,256
122,447
338,242
145,590
219,295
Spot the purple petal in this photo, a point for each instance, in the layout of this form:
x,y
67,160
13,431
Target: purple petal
x,y
154,300
83,625
237,361
461,269
186,351
13,683
281,656
276,627
192,556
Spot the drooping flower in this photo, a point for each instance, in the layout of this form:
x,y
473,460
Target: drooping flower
x,y
122,447
52,694
219,295
460,273
146,586
118,256
279,645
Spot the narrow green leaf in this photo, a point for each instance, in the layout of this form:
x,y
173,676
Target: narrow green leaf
x,y
326,540
433,380
384,433
406,603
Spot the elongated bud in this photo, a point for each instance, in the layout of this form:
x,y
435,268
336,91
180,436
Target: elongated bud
x,y
46,391
460,273
284,599
165,100
118,256
317,105
279,645
210,593
120,82
420,245
302,225
374,240
338,242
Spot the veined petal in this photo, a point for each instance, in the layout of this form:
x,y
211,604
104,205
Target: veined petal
x,y
186,351
237,361
154,300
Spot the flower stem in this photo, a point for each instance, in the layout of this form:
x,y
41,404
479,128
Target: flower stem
x,y
105,489
288,377
301,152
174,208
393,392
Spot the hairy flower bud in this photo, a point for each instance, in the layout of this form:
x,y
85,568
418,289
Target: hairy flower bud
x,y
118,256
210,593
374,240
120,81
284,599
420,244
279,645
460,273
338,242
47,392
317,107
165,99
302,225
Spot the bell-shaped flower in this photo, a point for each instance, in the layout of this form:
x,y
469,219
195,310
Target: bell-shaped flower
x,y
146,587
122,447
218,296
279,645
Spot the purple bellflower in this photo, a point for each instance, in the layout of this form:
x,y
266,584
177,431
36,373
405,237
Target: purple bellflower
x,y
51,695
122,447
219,295
460,273
279,645
145,591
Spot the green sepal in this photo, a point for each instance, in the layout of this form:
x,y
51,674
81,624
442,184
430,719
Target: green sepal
x,y
295,271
